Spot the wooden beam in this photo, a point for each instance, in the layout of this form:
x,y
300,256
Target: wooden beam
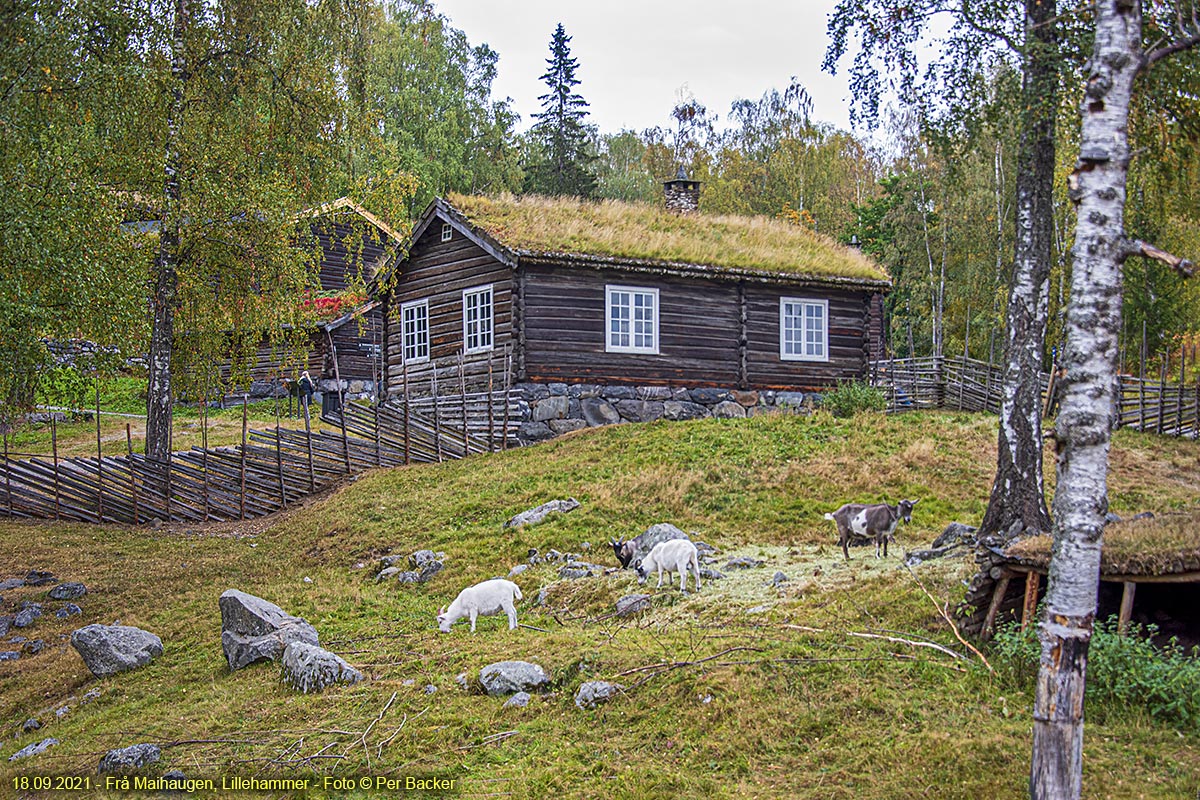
x,y
1126,607
989,622
1032,580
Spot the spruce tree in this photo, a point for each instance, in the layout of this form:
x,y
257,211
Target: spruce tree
x,y
563,165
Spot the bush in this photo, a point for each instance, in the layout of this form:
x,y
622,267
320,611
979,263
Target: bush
x,y
1122,671
850,397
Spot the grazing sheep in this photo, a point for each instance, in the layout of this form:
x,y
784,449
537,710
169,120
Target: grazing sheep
x,y
878,522
487,598
674,555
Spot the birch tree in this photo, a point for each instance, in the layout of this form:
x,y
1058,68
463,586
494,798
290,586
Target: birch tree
x,y
1082,433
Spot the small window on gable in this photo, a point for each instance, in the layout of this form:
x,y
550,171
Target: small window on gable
x,y
447,232
477,319
632,314
803,329
414,320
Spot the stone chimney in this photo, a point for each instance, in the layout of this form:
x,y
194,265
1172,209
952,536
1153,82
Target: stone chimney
x,y
682,195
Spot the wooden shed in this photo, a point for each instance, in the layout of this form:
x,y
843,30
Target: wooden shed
x,y
1149,574
587,300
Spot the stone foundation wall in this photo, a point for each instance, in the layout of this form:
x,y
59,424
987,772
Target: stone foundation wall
x,y
547,410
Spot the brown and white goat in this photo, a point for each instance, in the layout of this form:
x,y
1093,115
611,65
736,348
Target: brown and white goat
x,y
878,522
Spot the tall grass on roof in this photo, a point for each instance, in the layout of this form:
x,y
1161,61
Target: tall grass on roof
x,y
614,229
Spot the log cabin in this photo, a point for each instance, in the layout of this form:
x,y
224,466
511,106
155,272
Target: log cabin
x,y
607,311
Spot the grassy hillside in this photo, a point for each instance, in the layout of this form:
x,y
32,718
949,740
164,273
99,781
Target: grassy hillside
x,y
776,709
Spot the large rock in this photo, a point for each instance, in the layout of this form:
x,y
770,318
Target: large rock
x,y
551,408
727,409
308,668
508,677
683,409
661,532
632,604
955,533
561,426
253,629
109,649
640,410
536,515
27,615
599,412
68,591
518,700
710,397
593,693
34,749
129,759
532,432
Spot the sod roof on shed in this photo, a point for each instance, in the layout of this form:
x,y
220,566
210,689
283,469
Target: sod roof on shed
x,y
637,232
1169,544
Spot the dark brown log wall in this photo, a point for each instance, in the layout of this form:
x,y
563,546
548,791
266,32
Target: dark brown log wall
x,y
565,326
348,247
439,272
356,348
847,331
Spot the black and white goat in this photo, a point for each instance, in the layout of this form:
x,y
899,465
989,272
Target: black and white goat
x,y
627,549
878,522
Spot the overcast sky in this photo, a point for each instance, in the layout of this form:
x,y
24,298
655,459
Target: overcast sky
x,y
635,55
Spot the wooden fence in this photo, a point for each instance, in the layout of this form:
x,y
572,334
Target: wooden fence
x,y
269,470
964,384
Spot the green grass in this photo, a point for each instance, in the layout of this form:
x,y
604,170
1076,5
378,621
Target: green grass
x,y
616,229
794,713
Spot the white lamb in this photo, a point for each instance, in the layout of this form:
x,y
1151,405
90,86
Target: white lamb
x,y
487,598
674,555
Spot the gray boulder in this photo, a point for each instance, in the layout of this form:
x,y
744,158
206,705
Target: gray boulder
x,y
109,649
727,409
551,408
536,515
34,749
129,759
676,410
27,615
308,668
573,572
955,533
421,558
640,410
31,725
632,604
508,677
593,693
428,570
532,432
518,700
711,574
253,629
660,532
386,573
790,399
598,412
779,578
10,655
68,591
743,562
710,397
11,583
6,622
517,570
69,610
561,426
37,577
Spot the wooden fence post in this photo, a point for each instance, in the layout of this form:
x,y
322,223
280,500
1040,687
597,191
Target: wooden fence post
x,y
312,479
1179,398
54,448
490,407
204,448
245,423
132,472
437,426
407,403
99,461
1162,396
462,387
507,378
7,474
345,441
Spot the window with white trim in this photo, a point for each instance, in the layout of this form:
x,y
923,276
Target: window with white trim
x,y
803,329
447,232
632,314
414,321
477,319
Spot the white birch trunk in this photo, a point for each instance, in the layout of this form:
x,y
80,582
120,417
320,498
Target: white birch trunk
x,y
1085,421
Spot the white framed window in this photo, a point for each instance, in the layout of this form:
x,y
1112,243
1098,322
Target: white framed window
x,y
477,319
447,232
632,314
414,322
803,329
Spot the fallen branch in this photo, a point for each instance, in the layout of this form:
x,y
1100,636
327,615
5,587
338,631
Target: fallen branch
x,y
363,738
946,616
532,628
669,665
490,739
892,639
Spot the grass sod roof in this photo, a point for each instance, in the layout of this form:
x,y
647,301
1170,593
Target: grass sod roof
x,y
614,231
1169,544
